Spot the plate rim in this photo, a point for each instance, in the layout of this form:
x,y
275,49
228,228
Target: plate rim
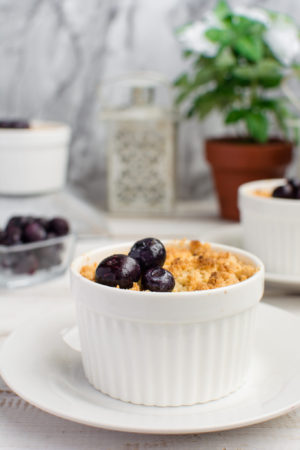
x,y
128,428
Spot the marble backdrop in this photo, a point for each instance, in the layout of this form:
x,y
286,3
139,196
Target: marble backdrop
x,y
54,54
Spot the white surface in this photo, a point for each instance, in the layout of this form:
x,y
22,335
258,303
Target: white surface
x,y
34,160
233,235
24,426
186,336
271,227
37,364
190,220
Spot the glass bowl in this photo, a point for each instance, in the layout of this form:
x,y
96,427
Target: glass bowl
x,y
28,264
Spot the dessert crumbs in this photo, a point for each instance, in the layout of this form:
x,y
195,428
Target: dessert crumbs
x,y
196,266
88,271
262,193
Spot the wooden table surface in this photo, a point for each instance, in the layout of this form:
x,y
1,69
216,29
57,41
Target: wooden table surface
x,y
23,426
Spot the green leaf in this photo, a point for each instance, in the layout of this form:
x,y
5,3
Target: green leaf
x,y
182,80
235,115
257,124
251,47
266,72
266,103
296,133
181,97
220,98
187,54
270,73
281,114
222,9
270,82
277,107
225,59
203,76
188,86
245,26
221,36
205,103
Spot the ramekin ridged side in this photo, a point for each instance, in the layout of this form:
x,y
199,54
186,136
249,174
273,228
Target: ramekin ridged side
x,y
166,349
169,364
271,227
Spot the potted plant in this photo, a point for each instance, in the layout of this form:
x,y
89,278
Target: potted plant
x,y
240,59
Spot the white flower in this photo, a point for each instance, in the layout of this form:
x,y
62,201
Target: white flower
x,y
257,14
282,36
193,37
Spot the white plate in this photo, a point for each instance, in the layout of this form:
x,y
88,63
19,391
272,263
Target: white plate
x,y
232,235
40,367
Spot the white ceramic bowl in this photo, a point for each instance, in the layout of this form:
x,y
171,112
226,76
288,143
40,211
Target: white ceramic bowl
x,y
165,349
271,227
34,160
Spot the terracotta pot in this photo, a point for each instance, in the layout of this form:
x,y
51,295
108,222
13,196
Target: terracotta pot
x,y
235,162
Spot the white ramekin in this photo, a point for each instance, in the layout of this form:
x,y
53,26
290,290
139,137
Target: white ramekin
x,y
271,227
165,349
34,160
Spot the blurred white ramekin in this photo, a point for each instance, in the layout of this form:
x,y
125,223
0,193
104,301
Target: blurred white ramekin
x,y
165,349
34,160
271,227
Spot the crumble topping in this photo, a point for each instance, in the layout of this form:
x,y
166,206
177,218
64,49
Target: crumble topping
x,y
196,266
262,193
88,271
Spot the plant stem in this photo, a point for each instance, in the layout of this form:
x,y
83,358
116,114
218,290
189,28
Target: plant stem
x,y
253,93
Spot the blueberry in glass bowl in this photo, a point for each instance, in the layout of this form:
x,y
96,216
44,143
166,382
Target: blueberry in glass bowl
x,y
16,124
34,249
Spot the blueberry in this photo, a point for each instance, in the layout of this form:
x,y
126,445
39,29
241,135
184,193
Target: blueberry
x,y
15,220
158,279
295,184
292,181
14,123
291,190
285,191
34,232
58,226
148,252
12,235
43,222
20,221
118,270
2,237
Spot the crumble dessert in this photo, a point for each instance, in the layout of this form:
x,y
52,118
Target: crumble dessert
x,y
194,266
289,190
263,193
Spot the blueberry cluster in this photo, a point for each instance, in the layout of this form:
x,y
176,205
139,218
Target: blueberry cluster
x,y
22,230
25,229
14,123
144,262
289,190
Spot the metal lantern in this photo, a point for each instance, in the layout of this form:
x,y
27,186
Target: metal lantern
x,y
141,147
